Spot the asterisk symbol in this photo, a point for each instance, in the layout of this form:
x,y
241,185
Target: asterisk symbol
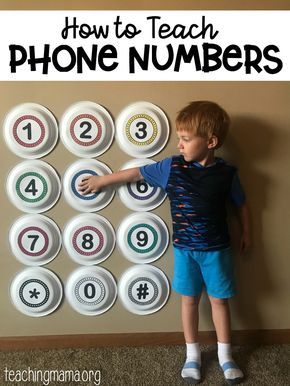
x,y
34,293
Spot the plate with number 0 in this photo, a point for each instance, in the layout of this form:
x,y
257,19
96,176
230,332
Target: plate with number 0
x,y
91,290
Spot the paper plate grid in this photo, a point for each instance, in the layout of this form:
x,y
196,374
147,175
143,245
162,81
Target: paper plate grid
x,y
142,129
143,289
87,129
91,290
140,196
36,291
142,237
74,175
33,186
34,239
30,130
89,239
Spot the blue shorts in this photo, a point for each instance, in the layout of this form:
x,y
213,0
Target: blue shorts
x,y
213,270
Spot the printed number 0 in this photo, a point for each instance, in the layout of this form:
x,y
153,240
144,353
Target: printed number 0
x,y
89,291
142,133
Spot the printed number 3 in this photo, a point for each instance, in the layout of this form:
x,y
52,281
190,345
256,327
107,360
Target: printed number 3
x,y
141,133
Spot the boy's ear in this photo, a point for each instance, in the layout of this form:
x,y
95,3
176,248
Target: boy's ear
x,y
212,142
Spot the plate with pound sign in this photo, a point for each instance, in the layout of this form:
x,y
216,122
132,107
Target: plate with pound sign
x,y
143,289
33,186
91,290
74,174
142,129
34,239
87,129
30,130
142,237
36,291
140,196
89,238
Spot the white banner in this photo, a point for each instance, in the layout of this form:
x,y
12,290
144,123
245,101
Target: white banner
x,y
145,45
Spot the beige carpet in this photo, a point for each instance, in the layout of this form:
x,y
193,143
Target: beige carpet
x,y
144,366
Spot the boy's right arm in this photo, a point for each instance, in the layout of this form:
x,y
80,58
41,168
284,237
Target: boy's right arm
x,y
93,184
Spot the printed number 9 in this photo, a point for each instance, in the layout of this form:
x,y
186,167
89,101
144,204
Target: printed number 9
x,y
142,238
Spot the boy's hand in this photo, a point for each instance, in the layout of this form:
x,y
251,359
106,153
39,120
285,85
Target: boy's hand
x,y
90,185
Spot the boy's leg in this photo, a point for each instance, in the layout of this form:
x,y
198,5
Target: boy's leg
x,y
190,316
221,319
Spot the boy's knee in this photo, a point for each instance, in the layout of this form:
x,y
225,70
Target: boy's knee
x,y
190,300
217,301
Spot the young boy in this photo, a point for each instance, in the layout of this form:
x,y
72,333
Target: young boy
x,y
198,185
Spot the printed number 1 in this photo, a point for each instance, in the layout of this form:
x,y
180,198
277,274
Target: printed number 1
x,y
29,131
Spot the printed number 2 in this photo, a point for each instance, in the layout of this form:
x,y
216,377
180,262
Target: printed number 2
x,y
84,134
141,133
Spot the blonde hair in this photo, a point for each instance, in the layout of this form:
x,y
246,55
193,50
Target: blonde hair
x,y
205,119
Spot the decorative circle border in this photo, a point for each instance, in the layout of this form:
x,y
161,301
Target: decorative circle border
x,y
93,229
32,174
153,123
95,120
96,280
44,234
25,144
146,279
21,289
155,238
93,196
130,190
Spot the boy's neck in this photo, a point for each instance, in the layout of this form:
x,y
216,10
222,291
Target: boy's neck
x,y
208,160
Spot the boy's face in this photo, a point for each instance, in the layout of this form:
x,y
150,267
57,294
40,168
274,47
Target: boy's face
x,y
193,147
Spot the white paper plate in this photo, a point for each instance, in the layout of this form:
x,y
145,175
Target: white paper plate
x,y
30,130
142,237
74,175
143,289
142,129
33,186
87,129
34,239
140,196
91,290
89,239
36,291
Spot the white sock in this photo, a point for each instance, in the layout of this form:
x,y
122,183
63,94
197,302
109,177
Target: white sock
x,y
225,355
192,355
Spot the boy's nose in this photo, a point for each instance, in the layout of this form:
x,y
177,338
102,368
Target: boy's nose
x,y
179,145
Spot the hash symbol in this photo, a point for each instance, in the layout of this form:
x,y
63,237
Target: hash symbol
x,y
142,291
34,293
